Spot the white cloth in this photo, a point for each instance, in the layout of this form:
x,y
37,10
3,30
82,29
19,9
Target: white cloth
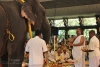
x,y
35,66
51,56
78,55
60,57
94,57
36,46
94,45
94,62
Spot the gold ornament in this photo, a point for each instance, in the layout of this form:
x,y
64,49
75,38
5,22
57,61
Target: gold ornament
x,y
23,1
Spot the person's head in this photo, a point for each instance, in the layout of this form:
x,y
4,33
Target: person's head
x,y
98,19
64,50
38,33
61,43
49,47
91,33
59,51
79,31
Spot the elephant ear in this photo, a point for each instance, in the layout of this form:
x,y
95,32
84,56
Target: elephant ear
x,y
26,11
24,14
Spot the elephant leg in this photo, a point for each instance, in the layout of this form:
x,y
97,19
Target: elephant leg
x,y
3,23
16,47
4,60
15,54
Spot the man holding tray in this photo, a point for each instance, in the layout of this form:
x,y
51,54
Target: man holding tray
x,y
94,56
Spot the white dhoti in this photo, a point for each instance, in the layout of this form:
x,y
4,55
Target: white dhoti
x,y
40,65
79,58
78,54
94,61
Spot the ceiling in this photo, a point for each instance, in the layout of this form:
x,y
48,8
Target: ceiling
x,y
70,8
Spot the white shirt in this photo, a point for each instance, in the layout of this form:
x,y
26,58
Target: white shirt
x,y
36,46
94,45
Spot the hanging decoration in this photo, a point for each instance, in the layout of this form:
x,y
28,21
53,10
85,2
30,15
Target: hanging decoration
x,y
29,25
29,29
23,1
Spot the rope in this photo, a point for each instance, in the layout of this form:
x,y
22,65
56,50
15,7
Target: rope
x,y
10,35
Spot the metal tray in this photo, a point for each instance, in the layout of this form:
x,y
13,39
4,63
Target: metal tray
x,y
87,50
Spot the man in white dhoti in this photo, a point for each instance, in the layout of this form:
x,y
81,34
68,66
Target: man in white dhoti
x,y
94,56
77,43
59,56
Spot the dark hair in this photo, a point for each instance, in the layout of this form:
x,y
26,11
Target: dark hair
x,y
80,29
97,16
92,31
38,32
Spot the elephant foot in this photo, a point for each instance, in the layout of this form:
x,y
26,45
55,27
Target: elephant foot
x,y
4,60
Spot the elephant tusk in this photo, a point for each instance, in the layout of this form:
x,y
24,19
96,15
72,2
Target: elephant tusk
x,y
10,35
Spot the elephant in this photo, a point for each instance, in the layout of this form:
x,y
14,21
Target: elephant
x,y
13,17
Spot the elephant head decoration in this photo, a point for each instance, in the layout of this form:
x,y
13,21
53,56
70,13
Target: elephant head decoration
x,y
14,12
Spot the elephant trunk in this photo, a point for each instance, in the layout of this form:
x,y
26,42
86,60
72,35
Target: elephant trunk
x,y
46,31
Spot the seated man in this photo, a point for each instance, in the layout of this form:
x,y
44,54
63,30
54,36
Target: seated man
x,y
51,56
66,54
59,56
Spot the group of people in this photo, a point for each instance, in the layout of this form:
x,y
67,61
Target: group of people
x,y
79,56
60,55
38,53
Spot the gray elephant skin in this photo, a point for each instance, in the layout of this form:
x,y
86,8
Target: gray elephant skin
x,y
35,13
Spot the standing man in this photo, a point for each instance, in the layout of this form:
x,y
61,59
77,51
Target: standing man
x,y
37,49
78,42
94,56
